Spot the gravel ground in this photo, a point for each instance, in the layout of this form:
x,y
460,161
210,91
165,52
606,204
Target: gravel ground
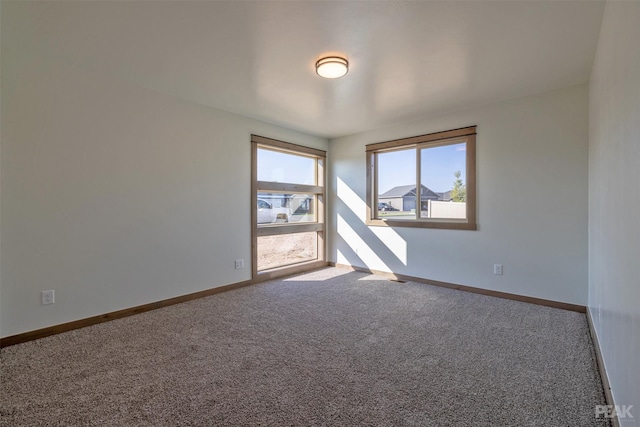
x,y
276,251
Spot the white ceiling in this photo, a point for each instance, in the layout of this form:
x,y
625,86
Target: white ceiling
x,y
407,59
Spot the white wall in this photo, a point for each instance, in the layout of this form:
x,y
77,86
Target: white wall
x,y
1,11
114,195
531,154
614,178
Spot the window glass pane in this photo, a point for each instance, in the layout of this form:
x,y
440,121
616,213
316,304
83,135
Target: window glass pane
x,y
279,208
286,249
443,180
397,184
275,166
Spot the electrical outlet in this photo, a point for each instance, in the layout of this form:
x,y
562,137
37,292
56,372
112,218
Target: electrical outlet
x,y
497,269
48,297
239,264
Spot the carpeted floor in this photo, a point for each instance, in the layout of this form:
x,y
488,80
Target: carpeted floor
x,y
331,347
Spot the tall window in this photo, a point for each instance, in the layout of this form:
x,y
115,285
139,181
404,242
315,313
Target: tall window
x,y
423,181
288,195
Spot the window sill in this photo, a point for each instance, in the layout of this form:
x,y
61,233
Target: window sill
x,y
287,270
462,224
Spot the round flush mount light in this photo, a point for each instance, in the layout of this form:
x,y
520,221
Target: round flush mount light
x,y
332,67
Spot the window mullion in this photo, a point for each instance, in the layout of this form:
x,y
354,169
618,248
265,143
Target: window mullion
x,y
418,186
375,185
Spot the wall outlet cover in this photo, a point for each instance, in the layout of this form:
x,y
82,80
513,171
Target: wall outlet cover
x,y
48,297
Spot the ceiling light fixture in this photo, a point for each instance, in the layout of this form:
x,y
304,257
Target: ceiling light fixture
x,y
332,67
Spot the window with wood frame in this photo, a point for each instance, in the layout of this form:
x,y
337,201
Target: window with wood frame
x,y
288,202
424,181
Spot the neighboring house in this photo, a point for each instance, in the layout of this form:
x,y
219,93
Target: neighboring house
x,y
403,197
445,197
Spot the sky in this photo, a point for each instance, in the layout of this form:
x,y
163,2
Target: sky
x,y
274,166
438,164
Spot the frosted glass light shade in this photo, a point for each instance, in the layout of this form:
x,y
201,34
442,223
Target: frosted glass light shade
x,y
332,67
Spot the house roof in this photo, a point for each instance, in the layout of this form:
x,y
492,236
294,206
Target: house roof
x,y
407,190
399,191
445,195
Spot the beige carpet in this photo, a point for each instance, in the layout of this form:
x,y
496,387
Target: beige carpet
x,y
326,348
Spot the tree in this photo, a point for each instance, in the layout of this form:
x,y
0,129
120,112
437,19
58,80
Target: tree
x,y
459,190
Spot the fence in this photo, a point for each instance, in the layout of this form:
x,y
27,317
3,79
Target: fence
x,y
439,209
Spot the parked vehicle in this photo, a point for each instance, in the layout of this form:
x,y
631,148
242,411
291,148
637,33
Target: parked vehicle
x,y
386,207
267,214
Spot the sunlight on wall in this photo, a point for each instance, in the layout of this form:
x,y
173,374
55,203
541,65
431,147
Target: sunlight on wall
x,y
393,241
341,259
351,200
359,246
388,236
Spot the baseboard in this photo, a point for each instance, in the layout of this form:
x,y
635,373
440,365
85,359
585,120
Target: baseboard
x,y
606,385
498,294
289,270
77,324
